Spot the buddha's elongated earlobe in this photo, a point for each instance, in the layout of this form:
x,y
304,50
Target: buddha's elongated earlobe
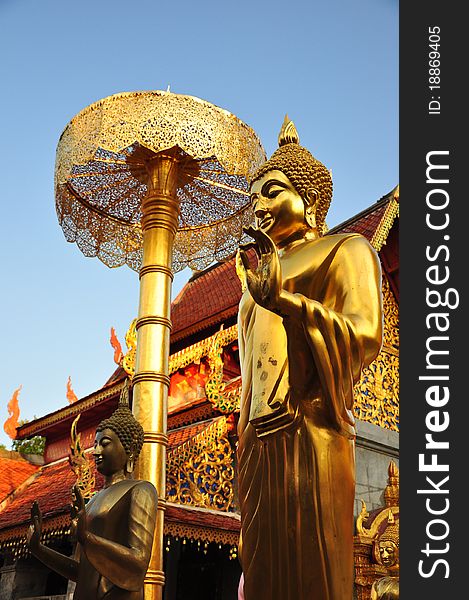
x,y
129,467
310,217
312,197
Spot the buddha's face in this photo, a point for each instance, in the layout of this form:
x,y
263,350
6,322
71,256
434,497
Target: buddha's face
x,y
279,209
388,552
109,454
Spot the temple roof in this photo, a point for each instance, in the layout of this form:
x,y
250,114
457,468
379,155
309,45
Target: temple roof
x,y
209,298
53,484
52,490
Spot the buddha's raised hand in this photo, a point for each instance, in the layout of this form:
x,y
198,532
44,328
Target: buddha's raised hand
x,y
35,529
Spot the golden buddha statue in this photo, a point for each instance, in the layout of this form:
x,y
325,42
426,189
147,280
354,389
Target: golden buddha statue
x,y
115,529
388,546
309,321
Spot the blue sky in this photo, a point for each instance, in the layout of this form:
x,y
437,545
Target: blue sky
x,y
332,66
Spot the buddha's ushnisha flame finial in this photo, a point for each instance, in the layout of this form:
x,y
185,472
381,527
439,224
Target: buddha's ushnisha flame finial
x,y
124,399
288,133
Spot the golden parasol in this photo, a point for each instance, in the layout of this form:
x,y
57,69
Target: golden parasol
x,y
157,181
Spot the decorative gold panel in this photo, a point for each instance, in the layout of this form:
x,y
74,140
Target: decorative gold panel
x,y
377,393
183,358
200,472
392,212
206,535
225,401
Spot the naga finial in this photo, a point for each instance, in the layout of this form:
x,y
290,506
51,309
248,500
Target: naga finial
x,y
288,133
80,463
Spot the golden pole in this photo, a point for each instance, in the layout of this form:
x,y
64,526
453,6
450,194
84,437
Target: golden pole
x,y
103,156
160,210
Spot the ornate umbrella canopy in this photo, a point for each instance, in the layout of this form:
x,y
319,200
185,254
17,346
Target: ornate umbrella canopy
x,y
101,176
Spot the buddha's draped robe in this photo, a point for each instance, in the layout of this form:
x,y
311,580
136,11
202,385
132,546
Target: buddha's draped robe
x,y
296,427
122,517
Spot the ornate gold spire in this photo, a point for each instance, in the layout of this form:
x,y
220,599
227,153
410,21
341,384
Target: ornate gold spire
x,y
391,492
125,394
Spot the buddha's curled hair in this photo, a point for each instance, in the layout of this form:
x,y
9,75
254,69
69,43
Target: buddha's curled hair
x,y
301,168
125,426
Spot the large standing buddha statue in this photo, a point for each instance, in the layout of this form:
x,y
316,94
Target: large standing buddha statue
x,y
309,321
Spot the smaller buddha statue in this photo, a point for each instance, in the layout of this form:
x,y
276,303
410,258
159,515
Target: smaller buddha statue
x,y
385,588
388,545
115,529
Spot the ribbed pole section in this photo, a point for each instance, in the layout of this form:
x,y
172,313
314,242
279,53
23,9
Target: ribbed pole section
x,y
151,380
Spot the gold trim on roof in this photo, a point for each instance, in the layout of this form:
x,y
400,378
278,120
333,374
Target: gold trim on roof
x,y
186,356
225,401
202,534
13,540
177,361
72,410
197,351
382,231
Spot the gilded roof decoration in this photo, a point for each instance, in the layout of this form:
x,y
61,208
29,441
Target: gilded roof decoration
x,y
377,392
390,214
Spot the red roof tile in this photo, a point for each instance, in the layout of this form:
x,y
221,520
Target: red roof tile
x,y
181,435
202,517
13,472
52,489
366,225
207,299
367,221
